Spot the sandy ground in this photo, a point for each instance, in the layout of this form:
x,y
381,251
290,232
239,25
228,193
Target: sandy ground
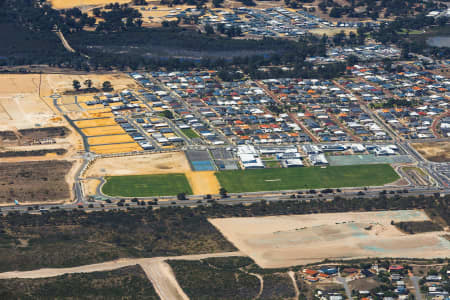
x,y
163,280
20,103
202,183
159,163
282,241
63,82
436,151
63,4
331,31
90,186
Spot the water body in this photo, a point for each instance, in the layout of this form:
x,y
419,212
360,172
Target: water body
x,y
439,41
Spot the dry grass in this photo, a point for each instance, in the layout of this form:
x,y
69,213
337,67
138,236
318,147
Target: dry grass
x,y
434,151
117,148
203,183
103,130
158,163
64,4
95,122
110,139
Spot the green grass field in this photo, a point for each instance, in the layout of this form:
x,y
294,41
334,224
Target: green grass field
x,y
306,178
147,185
190,133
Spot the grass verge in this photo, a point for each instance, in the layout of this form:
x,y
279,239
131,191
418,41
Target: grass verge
x,y
190,133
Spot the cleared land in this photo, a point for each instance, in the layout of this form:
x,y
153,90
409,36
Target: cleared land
x,y
437,151
64,4
116,148
124,283
20,103
147,185
60,83
304,178
160,163
282,241
34,181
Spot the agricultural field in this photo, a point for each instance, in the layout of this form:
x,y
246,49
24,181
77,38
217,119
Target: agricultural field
x,y
282,241
116,284
305,178
65,4
34,181
147,185
434,151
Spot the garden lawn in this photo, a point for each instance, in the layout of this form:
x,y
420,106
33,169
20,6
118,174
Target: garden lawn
x,y
306,178
147,185
190,133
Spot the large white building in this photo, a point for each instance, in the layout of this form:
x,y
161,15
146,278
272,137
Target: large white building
x,y
249,157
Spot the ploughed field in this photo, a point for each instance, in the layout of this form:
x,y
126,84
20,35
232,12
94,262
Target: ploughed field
x,y
147,185
306,178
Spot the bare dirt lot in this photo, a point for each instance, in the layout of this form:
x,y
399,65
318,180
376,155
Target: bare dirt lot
x,y
20,104
63,82
282,241
436,151
160,163
34,181
64,4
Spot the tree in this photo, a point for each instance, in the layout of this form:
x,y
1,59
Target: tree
x,y
209,29
223,192
181,196
168,114
88,83
107,86
217,3
76,85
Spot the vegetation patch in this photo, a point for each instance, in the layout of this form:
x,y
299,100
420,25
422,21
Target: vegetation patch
x,y
125,283
34,181
147,185
216,278
190,133
304,178
277,286
67,239
418,226
41,152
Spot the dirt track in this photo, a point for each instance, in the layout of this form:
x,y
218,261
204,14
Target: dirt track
x,y
156,269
